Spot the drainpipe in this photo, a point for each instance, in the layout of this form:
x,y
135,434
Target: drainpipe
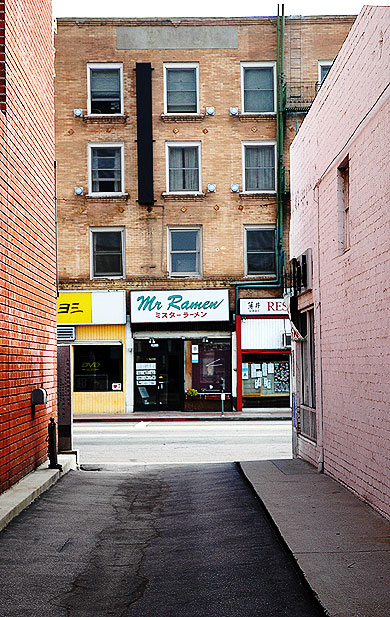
x,y
320,436
277,280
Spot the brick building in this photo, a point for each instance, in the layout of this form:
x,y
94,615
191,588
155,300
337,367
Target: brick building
x,y
27,235
340,214
173,204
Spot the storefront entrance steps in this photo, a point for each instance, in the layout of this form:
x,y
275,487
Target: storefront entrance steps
x,y
188,416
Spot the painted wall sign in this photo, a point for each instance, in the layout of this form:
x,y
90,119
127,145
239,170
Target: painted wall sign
x,y
179,306
263,306
91,307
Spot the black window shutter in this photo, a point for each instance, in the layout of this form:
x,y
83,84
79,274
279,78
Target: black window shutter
x,y
144,133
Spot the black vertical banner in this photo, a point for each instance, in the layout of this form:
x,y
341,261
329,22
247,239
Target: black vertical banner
x,y
144,133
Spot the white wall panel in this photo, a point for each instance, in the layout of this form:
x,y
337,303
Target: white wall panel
x,y
263,333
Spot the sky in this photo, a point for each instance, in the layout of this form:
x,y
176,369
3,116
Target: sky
x,y
203,8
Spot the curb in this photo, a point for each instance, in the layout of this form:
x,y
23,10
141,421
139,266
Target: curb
x,y
28,489
178,419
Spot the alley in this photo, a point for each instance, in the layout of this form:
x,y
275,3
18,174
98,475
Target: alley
x,y
161,541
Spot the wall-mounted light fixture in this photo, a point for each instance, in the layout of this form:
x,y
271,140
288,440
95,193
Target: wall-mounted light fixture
x,y
233,111
78,190
78,113
210,111
211,188
234,188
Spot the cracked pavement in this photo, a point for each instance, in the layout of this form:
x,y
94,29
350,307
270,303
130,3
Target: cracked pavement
x,y
156,541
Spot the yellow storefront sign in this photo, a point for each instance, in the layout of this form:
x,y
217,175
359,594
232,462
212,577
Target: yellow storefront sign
x,y
74,308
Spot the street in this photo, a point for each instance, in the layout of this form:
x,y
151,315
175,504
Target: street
x,y
161,541
181,442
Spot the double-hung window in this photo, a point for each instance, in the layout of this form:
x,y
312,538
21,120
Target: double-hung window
x,y
258,88
181,91
260,250
105,91
107,252
183,167
184,247
105,169
259,167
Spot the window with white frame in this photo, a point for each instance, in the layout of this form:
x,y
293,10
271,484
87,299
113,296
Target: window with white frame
x,y
107,252
183,167
181,88
259,167
259,250
324,67
184,251
105,169
258,90
105,90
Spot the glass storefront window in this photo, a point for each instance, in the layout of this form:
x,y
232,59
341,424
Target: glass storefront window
x,y
98,368
265,380
212,367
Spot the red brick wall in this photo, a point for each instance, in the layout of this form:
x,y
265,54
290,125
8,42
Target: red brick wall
x,y
27,236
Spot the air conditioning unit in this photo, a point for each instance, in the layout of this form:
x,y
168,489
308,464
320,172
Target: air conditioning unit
x,y
286,339
66,333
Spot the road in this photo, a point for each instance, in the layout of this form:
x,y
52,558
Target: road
x,y
181,442
156,541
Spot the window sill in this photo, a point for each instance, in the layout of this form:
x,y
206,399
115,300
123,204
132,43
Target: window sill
x,y
183,196
257,195
182,117
184,276
108,196
105,119
261,277
270,115
109,277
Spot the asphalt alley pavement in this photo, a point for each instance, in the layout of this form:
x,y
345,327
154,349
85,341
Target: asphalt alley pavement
x,y
156,541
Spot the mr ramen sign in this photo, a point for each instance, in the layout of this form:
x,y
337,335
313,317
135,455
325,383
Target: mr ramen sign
x,y
179,306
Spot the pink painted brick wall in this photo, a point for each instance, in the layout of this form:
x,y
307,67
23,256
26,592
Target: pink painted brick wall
x,y
350,117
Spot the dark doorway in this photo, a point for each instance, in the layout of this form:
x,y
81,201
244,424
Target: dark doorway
x,y
159,375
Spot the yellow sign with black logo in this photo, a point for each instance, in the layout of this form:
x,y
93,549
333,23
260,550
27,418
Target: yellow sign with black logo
x,y
74,308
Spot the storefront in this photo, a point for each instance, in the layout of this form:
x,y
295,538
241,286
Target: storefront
x,y
182,350
92,337
263,354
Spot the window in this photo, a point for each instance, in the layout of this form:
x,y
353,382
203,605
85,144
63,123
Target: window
x,y
105,92
106,169
324,67
308,425
258,87
107,250
343,203
183,167
181,88
259,165
260,250
184,251
98,368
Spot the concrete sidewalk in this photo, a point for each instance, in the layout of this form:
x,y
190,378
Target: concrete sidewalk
x,y
29,488
189,416
341,545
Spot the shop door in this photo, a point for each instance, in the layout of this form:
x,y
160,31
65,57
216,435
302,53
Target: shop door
x,y
159,375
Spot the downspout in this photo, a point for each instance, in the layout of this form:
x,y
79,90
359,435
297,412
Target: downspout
x,y
320,436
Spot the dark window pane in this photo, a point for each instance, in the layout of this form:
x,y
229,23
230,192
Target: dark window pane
x,y
105,91
259,89
324,71
183,240
106,170
184,262
109,241
260,239
97,368
261,263
108,265
181,91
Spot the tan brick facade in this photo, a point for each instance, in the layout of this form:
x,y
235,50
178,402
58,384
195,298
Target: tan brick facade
x,y
222,215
